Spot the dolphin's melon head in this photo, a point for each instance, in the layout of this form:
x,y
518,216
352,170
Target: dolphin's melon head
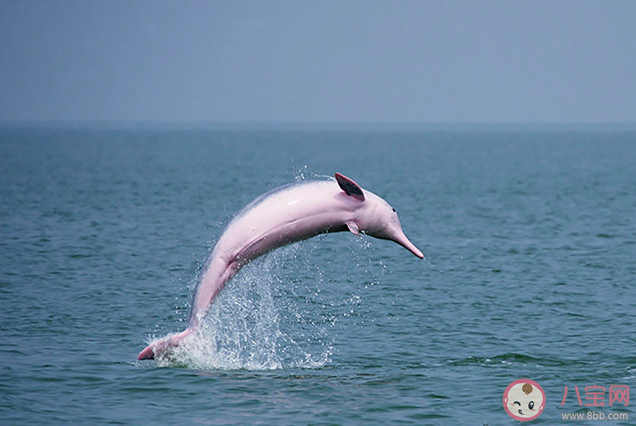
x,y
375,217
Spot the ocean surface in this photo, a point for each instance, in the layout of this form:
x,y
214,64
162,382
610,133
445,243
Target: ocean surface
x,y
530,243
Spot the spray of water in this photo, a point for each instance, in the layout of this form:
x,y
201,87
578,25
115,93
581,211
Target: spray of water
x,y
256,324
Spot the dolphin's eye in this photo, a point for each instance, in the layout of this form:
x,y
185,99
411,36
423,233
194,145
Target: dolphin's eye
x,y
393,210
517,402
531,405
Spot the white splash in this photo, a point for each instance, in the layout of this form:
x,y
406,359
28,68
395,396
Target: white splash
x,y
253,325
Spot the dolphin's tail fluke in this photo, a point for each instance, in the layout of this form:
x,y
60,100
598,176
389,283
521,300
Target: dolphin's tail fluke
x,y
148,353
162,345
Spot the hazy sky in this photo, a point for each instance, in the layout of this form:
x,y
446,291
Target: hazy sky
x,y
319,61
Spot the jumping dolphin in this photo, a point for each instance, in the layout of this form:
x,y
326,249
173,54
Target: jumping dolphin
x,y
288,214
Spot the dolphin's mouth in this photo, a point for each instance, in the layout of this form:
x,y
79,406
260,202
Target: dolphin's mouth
x,y
404,242
520,412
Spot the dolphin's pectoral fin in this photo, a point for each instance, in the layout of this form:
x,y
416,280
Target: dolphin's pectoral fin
x,y
353,228
350,187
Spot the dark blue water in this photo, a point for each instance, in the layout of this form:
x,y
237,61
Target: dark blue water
x,y
530,236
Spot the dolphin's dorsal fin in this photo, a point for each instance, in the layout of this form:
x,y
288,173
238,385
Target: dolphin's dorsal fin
x,y
350,187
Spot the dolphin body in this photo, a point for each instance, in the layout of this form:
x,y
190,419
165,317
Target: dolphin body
x,y
285,215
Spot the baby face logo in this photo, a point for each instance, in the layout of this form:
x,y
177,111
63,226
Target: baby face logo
x,y
524,400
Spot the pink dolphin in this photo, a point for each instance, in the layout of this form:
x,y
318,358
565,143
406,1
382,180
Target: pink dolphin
x,y
283,216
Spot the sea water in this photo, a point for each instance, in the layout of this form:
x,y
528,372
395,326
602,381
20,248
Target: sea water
x,y
529,234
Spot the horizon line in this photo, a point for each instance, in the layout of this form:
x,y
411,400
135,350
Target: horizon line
x,y
312,125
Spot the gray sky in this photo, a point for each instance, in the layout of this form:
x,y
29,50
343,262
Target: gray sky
x,y
324,61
